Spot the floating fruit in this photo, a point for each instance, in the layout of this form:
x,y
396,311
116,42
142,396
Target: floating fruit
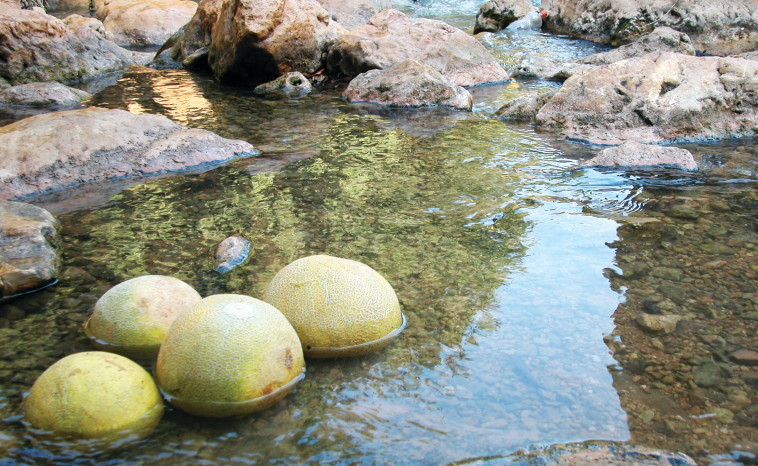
x,y
132,317
339,307
94,395
230,354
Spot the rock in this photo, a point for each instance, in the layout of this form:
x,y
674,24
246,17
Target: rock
x,y
293,84
661,39
354,13
658,323
144,22
42,95
531,21
745,357
497,14
101,144
73,5
600,453
256,41
724,27
634,154
748,55
524,108
657,97
189,46
231,252
75,22
709,374
407,84
38,47
534,66
28,242
391,37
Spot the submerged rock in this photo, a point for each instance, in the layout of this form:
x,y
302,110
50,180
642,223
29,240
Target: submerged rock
x,y
101,144
407,84
524,108
497,14
42,95
35,46
144,22
656,323
723,27
28,242
293,84
601,453
658,97
231,252
391,37
634,154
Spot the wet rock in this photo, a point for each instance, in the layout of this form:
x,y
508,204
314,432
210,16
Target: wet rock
x,y
391,37
524,108
354,13
751,378
28,254
634,154
658,97
144,22
407,84
724,27
75,22
598,452
189,46
709,374
293,84
35,46
497,14
231,252
745,357
534,66
656,323
101,144
42,95
661,39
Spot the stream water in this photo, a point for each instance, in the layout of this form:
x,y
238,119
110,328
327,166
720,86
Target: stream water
x,y
522,277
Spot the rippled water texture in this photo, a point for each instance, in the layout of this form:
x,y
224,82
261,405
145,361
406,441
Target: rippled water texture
x,y
521,277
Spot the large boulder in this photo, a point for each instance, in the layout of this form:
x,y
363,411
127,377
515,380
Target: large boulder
x,y
354,13
50,94
254,42
407,84
497,14
101,144
35,46
74,22
658,97
28,242
722,27
144,22
634,154
391,37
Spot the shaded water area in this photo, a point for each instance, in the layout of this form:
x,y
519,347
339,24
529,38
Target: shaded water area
x,y
522,278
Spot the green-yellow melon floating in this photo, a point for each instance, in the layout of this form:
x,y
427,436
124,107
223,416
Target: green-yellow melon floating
x,y
339,307
229,355
94,395
132,317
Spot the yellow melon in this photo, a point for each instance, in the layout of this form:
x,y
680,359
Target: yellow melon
x,y
94,395
231,354
132,317
339,307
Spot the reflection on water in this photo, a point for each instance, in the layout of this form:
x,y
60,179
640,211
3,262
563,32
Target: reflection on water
x,y
521,291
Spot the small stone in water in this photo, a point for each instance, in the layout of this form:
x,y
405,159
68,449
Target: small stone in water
x,y
231,252
745,357
658,323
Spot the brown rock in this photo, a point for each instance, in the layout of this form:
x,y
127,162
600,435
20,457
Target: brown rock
x,y
38,47
661,39
657,97
293,84
407,84
524,108
497,14
354,13
231,252
745,357
28,241
723,27
101,144
144,22
634,154
74,22
42,95
658,323
391,37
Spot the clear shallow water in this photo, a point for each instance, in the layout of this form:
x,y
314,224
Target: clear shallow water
x,y
520,287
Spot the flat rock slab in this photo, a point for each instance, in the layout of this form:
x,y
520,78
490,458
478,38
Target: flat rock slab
x,y
391,37
659,97
28,254
51,94
56,150
144,22
634,154
407,84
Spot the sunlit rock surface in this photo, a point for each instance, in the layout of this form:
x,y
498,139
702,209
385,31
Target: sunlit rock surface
x,y
140,22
